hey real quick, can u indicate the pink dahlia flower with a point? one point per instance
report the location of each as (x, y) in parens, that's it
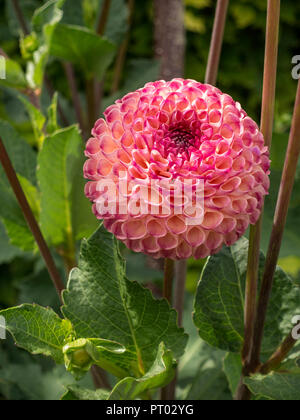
(165, 134)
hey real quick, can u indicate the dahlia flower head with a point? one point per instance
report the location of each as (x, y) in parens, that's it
(158, 138)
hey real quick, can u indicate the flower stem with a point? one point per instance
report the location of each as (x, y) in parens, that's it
(280, 354)
(284, 197)
(168, 280)
(267, 121)
(74, 93)
(170, 37)
(100, 30)
(179, 292)
(32, 223)
(20, 17)
(216, 42)
(168, 392)
(122, 52)
(101, 25)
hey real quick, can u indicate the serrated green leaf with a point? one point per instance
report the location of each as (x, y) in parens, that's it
(101, 302)
(275, 386)
(76, 393)
(38, 330)
(219, 305)
(65, 212)
(232, 367)
(160, 374)
(82, 47)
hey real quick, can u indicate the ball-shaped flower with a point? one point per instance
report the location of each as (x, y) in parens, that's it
(160, 137)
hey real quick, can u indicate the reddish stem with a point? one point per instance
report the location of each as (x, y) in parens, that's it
(216, 42)
(32, 223)
(267, 120)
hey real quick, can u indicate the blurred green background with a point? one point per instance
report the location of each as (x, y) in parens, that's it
(23, 277)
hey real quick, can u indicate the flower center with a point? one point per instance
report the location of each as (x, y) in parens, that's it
(182, 138)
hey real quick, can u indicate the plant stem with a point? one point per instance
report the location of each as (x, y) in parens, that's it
(280, 354)
(285, 192)
(100, 30)
(122, 52)
(100, 378)
(179, 290)
(90, 97)
(216, 42)
(32, 223)
(168, 280)
(51, 92)
(168, 392)
(170, 37)
(20, 17)
(75, 95)
(101, 25)
(267, 121)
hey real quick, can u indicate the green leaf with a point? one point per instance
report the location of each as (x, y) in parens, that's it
(160, 374)
(76, 393)
(21, 154)
(24, 161)
(275, 386)
(38, 330)
(84, 48)
(101, 302)
(28, 45)
(32, 194)
(48, 14)
(200, 375)
(52, 124)
(232, 367)
(117, 22)
(80, 355)
(219, 305)
(14, 75)
(8, 251)
(43, 22)
(37, 120)
(65, 212)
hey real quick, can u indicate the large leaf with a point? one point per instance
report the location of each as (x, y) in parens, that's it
(219, 305)
(276, 386)
(159, 375)
(38, 330)
(76, 393)
(102, 303)
(65, 212)
(82, 47)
